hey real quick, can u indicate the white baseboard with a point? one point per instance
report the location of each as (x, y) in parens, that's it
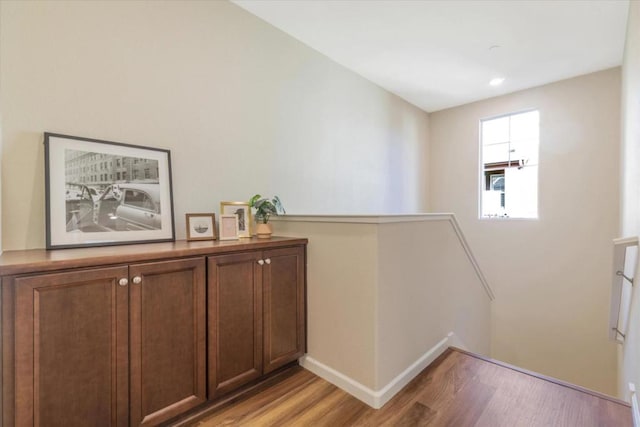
(340, 380)
(376, 399)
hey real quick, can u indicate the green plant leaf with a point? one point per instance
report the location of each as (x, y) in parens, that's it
(253, 200)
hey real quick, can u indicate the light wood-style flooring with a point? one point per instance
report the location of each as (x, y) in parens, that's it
(458, 389)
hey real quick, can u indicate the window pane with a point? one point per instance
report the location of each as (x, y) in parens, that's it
(525, 151)
(491, 204)
(495, 131)
(495, 153)
(524, 127)
(521, 192)
(135, 198)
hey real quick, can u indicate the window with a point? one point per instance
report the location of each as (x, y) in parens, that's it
(509, 159)
(138, 199)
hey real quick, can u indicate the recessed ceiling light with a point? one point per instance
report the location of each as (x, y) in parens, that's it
(497, 81)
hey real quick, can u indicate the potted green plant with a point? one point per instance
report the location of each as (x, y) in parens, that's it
(265, 207)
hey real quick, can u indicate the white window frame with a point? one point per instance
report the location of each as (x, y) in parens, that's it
(481, 170)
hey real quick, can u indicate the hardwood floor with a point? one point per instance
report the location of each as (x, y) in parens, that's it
(458, 389)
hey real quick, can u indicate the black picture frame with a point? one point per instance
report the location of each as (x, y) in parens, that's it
(103, 193)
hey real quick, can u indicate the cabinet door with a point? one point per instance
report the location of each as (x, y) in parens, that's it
(284, 306)
(168, 375)
(235, 321)
(71, 349)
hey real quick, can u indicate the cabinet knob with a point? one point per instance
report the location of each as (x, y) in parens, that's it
(137, 280)
(123, 282)
(261, 261)
(268, 260)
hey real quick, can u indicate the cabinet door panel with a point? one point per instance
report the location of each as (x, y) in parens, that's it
(168, 319)
(284, 307)
(235, 322)
(71, 346)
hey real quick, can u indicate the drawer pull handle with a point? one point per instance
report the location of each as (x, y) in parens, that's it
(268, 260)
(137, 280)
(261, 261)
(123, 282)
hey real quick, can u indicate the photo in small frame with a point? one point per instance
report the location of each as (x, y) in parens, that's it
(243, 211)
(201, 226)
(229, 227)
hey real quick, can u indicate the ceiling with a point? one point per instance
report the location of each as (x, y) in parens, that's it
(438, 54)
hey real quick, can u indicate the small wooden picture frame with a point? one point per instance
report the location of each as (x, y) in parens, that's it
(201, 226)
(229, 227)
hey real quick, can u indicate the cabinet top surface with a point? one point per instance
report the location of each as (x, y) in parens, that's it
(33, 260)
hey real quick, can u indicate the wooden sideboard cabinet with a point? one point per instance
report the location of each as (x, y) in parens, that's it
(256, 321)
(88, 339)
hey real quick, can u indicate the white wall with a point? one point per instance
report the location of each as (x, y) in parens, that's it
(551, 276)
(243, 107)
(630, 352)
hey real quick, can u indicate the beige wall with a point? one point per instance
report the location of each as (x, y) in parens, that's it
(427, 288)
(630, 351)
(551, 276)
(341, 295)
(382, 294)
(243, 107)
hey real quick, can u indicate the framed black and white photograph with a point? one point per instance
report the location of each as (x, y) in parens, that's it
(201, 227)
(229, 227)
(102, 193)
(243, 211)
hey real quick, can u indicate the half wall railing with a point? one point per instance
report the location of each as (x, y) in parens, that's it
(635, 410)
(387, 294)
(625, 266)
